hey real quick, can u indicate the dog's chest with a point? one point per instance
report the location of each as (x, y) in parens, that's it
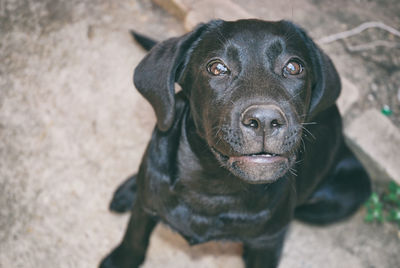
(203, 201)
(201, 217)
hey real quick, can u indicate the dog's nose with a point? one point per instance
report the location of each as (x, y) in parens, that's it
(263, 119)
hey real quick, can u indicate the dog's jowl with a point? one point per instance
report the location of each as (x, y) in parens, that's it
(252, 141)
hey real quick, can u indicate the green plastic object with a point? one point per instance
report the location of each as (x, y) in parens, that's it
(386, 110)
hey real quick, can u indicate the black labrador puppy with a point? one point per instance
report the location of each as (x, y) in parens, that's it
(253, 140)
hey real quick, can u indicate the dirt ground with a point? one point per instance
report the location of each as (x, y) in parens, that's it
(72, 127)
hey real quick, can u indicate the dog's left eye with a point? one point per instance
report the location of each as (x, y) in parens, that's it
(292, 68)
(217, 67)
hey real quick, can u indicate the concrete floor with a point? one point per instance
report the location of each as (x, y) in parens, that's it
(72, 127)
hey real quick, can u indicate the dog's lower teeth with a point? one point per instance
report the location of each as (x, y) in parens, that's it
(265, 155)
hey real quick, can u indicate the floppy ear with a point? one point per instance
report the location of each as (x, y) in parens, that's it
(326, 81)
(156, 74)
(327, 86)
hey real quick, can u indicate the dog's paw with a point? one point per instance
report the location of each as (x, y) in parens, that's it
(124, 196)
(120, 258)
(108, 263)
(113, 260)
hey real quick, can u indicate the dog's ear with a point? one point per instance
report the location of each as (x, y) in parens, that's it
(327, 86)
(156, 74)
(326, 81)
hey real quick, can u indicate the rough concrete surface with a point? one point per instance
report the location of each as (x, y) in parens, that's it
(376, 130)
(72, 127)
(203, 11)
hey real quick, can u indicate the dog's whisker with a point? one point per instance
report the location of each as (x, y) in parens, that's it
(304, 144)
(309, 123)
(218, 131)
(289, 35)
(220, 35)
(296, 95)
(309, 132)
(217, 142)
(303, 116)
(293, 172)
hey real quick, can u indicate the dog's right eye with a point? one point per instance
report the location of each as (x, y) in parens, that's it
(217, 67)
(293, 67)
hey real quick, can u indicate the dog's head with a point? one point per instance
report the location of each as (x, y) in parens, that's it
(251, 85)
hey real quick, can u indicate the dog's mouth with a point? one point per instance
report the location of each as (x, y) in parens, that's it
(258, 158)
(256, 168)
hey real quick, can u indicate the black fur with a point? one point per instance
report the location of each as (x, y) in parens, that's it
(239, 154)
(144, 41)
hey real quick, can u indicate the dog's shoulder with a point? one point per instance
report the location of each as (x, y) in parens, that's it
(163, 146)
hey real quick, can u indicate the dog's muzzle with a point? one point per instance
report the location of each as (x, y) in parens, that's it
(260, 149)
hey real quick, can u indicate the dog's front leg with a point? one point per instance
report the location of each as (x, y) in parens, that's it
(265, 256)
(132, 250)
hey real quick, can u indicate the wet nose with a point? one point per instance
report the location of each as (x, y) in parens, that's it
(263, 119)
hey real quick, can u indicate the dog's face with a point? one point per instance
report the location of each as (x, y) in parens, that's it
(251, 84)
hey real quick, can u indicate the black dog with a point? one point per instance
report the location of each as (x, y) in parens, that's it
(253, 140)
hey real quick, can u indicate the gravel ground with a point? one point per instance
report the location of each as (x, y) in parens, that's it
(72, 127)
